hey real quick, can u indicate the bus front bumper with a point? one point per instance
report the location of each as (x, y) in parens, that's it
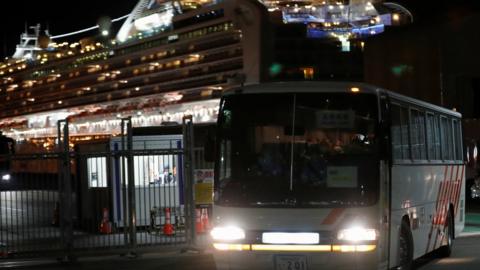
(296, 260)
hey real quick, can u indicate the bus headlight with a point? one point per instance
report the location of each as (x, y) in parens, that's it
(229, 233)
(356, 234)
(6, 177)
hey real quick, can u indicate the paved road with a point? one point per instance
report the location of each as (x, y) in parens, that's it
(465, 257)
(33, 210)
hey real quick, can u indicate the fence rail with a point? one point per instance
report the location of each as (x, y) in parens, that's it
(135, 194)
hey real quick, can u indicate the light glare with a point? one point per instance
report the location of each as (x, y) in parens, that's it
(290, 238)
(230, 233)
(355, 89)
(357, 234)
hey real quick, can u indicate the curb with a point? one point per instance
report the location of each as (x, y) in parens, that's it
(468, 234)
(26, 263)
(174, 252)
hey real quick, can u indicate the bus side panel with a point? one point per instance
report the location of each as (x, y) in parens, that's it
(460, 206)
(395, 219)
(423, 193)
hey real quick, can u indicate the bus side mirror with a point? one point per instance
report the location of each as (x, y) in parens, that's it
(209, 149)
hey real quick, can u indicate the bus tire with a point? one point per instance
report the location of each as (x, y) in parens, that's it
(405, 247)
(446, 250)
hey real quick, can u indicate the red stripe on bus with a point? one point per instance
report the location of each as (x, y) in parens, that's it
(333, 216)
(460, 184)
(450, 195)
(443, 197)
(448, 199)
(455, 191)
(439, 202)
(443, 202)
(435, 215)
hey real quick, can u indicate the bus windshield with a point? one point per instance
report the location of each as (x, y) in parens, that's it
(297, 150)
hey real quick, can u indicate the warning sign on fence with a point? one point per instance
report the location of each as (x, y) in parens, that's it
(204, 186)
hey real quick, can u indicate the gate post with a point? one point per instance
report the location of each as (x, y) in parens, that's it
(189, 182)
(65, 191)
(131, 186)
(123, 178)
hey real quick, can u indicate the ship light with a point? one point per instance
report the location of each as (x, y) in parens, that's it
(6, 177)
(154, 21)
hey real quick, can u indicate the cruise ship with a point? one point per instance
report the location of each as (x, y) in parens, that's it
(173, 58)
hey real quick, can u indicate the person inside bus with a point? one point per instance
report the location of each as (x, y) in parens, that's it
(271, 161)
(331, 143)
(314, 165)
(360, 143)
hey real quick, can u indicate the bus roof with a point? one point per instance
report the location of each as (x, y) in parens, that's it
(333, 87)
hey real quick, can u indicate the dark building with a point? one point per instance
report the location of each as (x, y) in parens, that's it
(435, 60)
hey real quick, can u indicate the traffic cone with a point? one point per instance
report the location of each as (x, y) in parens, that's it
(105, 225)
(199, 224)
(56, 214)
(205, 221)
(168, 227)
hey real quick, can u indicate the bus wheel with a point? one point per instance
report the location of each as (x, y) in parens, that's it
(405, 247)
(446, 250)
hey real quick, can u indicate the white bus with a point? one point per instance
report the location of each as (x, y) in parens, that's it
(313, 175)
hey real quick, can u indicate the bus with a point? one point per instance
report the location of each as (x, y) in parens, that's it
(332, 175)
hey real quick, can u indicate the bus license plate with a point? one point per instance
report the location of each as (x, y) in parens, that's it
(290, 263)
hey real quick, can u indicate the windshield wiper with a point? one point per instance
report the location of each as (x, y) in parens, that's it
(275, 203)
(319, 203)
(328, 203)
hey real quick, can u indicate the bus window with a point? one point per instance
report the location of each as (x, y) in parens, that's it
(458, 140)
(396, 131)
(317, 150)
(404, 127)
(417, 128)
(447, 140)
(433, 139)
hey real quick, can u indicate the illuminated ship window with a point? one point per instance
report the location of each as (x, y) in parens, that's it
(308, 73)
(161, 54)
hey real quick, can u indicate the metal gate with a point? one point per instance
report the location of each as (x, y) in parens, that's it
(122, 194)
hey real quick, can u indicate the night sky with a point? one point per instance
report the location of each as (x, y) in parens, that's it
(61, 17)
(68, 16)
